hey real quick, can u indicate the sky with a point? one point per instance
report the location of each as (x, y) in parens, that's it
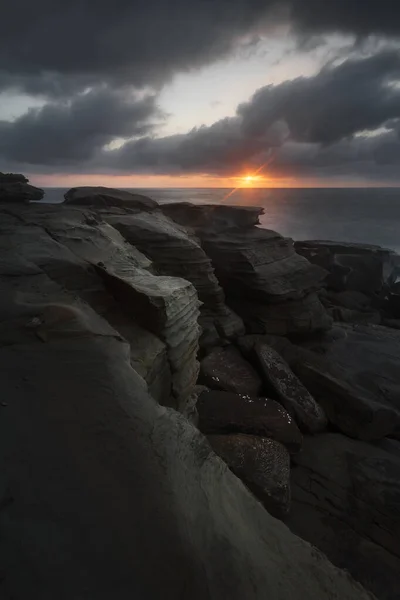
(201, 93)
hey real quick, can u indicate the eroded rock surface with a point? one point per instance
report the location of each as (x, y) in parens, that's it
(14, 188)
(104, 197)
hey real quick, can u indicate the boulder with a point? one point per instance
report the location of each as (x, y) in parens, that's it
(104, 197)
(224, 412)
(355, 378)
(225, 369)
(95, 472)
(352, 267)
(215, 217)
(291, 392)
(177, 253)
(346, 499)
(262, 464)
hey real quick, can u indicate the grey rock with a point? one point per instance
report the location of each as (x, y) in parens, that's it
(177, 253)
(226, 369)
(224, 412)
(291, 392)
(104, 197)
(355, 378)
(19, 192)
(346, 497)
(215, 217)
(262, 464)
(144, 483)
(356, 267)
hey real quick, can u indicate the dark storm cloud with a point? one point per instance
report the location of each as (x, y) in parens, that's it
(72, 131)
(49, 47)
(321, 110)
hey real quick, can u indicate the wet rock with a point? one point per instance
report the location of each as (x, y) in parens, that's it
(262, 464)
(291, 392)
(224, 412)
(355, 378)
(177, 253)
(226, 369)
(352, 267)
(346, 497)
(104, 197)
(15, 188)
(215, 217)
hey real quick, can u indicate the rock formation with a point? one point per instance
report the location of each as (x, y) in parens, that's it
(15, 188)
(100, 325)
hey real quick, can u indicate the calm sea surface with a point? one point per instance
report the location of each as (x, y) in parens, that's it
(355, 215)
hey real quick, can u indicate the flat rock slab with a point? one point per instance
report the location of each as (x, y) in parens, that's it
(104, 197)
(355, 377)
(262, 464)
(355, 482)
(224, 412)
(291, 392)
(226, 369)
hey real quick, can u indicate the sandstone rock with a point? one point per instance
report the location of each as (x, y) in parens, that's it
(168, 307)
(144, 484)
(179, 254)
(215, 217)
(225, 369)
(355, 378)
(356, 267)
(301, 317)
(346, 501)
(104, 197)
(295, 398)
(224, 412)
(262, 464)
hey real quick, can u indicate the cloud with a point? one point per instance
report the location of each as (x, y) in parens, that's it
(54, 49)
(72, 131)
(319, 111)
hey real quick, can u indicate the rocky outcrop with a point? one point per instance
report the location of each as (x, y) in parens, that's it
(104, 197)
(214, 217)
(224, 412)
(95, 472)
(15, 188)
(262, 464)
(291, 392)
(346, 498)
(352, 267)
(175, 252)
(225, 369)
(266, 282)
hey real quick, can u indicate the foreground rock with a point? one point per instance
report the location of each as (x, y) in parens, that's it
(95, 472)
(262, 464)
(346, 501)
(225, 369)
(15, 188)
(293, 395)
(104, 197)
(175, 252)
(224, 412)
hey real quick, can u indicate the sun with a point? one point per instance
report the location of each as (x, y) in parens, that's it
(249, 178)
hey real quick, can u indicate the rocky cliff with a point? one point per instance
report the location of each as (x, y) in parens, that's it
(112, 310)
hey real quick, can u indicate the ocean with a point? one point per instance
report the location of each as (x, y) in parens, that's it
(367, 215)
